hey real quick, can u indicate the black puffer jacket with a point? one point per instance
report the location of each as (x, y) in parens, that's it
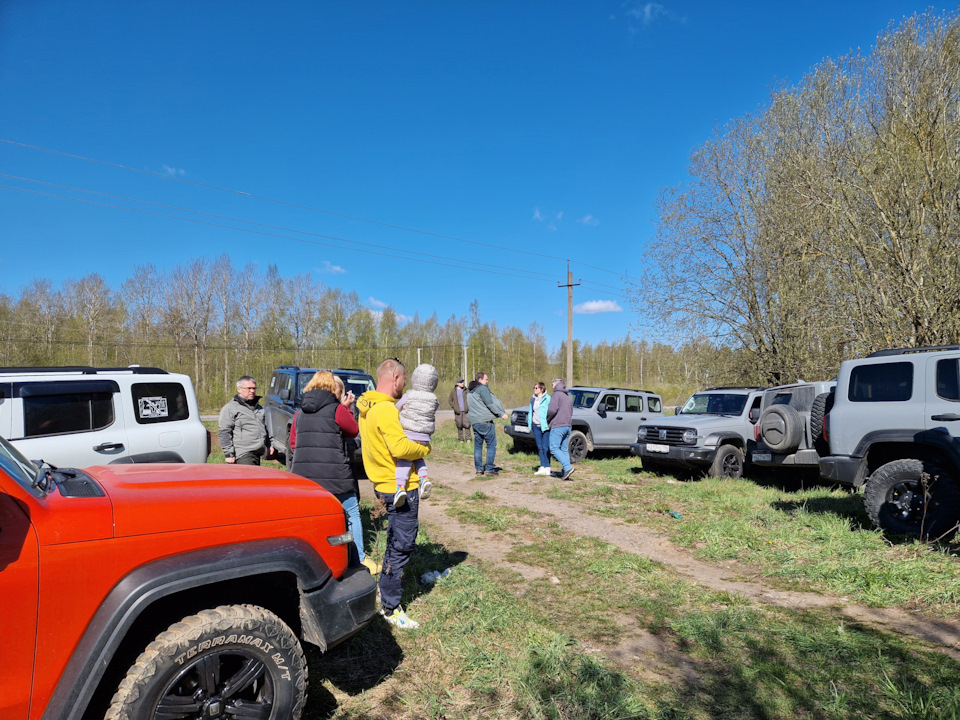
(319, 453)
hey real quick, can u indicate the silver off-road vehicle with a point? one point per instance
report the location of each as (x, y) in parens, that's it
(789, 434)
(603, 419)
(894, 430)
(713, 431)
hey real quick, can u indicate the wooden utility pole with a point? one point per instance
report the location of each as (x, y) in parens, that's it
(569, 287)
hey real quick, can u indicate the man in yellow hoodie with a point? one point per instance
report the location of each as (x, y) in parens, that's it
(383, 442)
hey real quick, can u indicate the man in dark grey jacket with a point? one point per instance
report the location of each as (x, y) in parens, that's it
(560, 417)
(243, 432)
(484, 408)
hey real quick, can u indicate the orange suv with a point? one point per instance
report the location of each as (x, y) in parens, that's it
(149, 591)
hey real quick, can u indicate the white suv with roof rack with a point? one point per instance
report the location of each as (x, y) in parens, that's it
(894, 430)
(78, 416)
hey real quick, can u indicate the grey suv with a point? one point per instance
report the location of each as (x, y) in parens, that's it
(285, 393)
(713, 431)
(603, 419)
(791, 424)
(894, 430)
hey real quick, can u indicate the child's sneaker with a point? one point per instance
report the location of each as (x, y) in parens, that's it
(425, 488)
(399, 618)
(400, 499)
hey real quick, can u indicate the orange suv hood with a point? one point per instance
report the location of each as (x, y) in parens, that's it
(162, 498)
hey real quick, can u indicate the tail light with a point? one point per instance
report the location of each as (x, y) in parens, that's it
(756, 432)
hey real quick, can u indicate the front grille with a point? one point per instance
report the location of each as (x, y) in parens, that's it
(665, 435)
(521, 417)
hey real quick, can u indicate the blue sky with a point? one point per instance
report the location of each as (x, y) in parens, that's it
(513, 135)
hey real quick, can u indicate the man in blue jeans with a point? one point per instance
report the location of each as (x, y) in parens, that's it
(484, 408)
(560, 419)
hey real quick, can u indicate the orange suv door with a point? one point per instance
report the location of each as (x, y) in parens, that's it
(19, 577)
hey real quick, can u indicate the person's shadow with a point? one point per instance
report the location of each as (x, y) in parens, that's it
(372, 655)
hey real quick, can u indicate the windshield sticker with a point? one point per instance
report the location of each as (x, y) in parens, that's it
(153, 407)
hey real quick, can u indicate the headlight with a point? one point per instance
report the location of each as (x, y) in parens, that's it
(641, 433)
(690, 437)
(513, 418)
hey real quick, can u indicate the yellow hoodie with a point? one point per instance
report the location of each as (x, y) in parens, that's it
(383, 442)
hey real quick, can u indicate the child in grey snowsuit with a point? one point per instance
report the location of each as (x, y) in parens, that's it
(418, 417)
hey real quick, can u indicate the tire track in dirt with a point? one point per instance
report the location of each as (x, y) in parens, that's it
(527, 492)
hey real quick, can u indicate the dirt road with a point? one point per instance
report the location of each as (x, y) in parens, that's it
(527, 492)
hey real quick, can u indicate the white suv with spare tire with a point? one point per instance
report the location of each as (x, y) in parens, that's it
(894, 430)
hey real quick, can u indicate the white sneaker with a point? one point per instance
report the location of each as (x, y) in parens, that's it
(425, 488)
(543, 471)
(400, 499)
(399, 618)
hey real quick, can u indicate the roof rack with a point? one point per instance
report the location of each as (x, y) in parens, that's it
(85, 370)
(737, 387)
(913, 350)
(356, 370)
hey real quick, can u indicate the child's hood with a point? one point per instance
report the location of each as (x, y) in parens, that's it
(371, 398)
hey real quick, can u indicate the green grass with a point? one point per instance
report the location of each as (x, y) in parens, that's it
(500, 643)
(591, 631)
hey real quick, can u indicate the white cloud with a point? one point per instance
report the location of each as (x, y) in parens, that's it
(646, 12)
(594, 307)
(174, 172)
(329, 268)
(551, 221)
(379, 304)
(589, 220)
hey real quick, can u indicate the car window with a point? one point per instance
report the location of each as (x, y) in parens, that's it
(948, 379)
(67, 413)
(159, 402)
(653, 404)
(583, 398)
(357, 384)
(884, 382)
(634, 403)
(302, 381)
(611, 403)
(17, 466)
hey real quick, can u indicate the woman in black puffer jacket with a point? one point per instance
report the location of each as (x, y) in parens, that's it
(320, 426)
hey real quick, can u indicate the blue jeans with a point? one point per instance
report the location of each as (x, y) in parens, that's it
(484, 432)
(351, 506)
(543, 445)
(402, 526)
(559, 440)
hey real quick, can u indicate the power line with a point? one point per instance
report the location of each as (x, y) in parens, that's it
(253, 222)
(293, 204)
(528, 275)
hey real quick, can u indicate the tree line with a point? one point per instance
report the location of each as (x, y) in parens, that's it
(827, 224)
(215, 322)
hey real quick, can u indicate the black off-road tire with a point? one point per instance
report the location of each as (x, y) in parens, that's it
(728, 462)
(577, 445)
(781, 428)
(822, 404)
(913, 497)
(214, 663)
